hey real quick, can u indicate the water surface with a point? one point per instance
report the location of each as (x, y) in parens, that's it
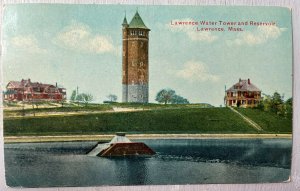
(183, 161)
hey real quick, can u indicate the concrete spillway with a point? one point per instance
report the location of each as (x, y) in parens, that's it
(120, 145)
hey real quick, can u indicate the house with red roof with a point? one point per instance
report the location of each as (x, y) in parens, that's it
(25, 90)
(243, 94)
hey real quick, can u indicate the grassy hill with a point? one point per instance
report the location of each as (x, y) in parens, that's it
(270, 122)
(184, 119)
(16, 109)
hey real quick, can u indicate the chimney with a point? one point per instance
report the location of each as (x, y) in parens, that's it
(55, 84)
(249, 81)
(240, 80)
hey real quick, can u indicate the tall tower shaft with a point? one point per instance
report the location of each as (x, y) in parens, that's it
(135, 60)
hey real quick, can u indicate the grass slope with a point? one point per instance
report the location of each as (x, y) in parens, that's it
(18, 111)
(270, 122)
(184, 120)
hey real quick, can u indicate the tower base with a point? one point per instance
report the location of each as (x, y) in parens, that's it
(135, 93)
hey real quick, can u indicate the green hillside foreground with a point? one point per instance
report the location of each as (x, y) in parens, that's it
(12, 110)
(171, 120)
(270, 122)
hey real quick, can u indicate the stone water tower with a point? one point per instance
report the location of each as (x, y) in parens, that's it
(135, 60)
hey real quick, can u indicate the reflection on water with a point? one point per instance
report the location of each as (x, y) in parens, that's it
(176, 162)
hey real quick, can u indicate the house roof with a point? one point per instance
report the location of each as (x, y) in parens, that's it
(244, 85)
(137, 22)
(27, 83)
(16, 84)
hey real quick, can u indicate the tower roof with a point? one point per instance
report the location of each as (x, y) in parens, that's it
(137, 22)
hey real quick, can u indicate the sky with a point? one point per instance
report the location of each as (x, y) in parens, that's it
(81, 45)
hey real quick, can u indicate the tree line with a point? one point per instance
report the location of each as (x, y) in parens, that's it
(166, 96)
(275, 103)
(169, 96)
(81, 98)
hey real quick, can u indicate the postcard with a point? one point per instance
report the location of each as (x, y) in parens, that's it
(118, 95)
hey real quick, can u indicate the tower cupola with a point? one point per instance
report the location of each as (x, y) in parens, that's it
(125, 23)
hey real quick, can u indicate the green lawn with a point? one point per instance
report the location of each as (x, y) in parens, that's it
(98, 107)
(18, 111)
(90, 108)
(270, 122)
(184, 120)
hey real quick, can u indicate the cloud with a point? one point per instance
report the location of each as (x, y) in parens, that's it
(196, 71)
(79, 37)
(27, 43)
(191, 32)
(261, 35)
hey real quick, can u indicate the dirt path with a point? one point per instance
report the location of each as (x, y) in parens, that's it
(248, 120)
(107, 137)
(72, 113)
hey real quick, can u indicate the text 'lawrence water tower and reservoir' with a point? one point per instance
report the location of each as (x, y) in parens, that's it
(220, 26)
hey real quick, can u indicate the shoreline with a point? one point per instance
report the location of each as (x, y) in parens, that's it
(108, 137)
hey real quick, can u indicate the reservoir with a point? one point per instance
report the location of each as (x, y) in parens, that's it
(177, 161)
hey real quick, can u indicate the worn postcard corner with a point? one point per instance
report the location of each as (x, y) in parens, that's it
(110, 95)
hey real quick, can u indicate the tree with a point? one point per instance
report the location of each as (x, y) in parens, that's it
(177, 99)
(277, 105)
(165, 96)
(265, 104)
(289, 107)
(169, 96)
(73, 96)
(112, 97)
(84, 98)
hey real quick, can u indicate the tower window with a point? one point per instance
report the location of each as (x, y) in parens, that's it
(133, 32)
(133, 63)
